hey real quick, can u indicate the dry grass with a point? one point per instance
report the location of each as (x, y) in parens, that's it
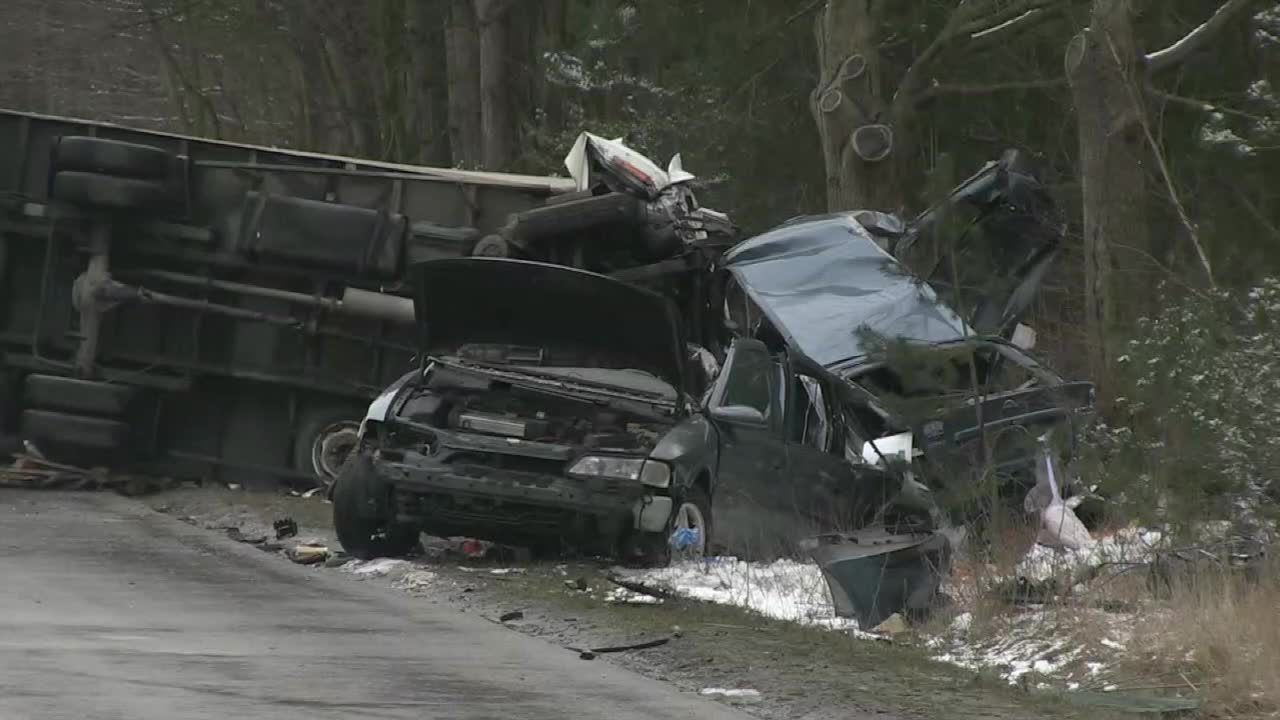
(1219, 631)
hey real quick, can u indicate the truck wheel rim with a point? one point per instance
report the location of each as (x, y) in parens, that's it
(689, 517)
(331, 448)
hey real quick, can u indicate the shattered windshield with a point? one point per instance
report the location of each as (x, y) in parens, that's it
(955, 372)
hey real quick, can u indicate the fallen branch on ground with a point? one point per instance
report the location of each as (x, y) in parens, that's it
(647, 644)
(651, 591)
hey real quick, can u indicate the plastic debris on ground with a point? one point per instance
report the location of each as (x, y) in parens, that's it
(285, 527)
(417, 580)
(379, 567)
(623, 596)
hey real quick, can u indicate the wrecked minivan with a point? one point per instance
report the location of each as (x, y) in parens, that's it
(894, 375)
(552, 408)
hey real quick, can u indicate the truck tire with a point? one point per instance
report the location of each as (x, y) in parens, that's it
(107, 192)
(323, 442)
(88, 397)
(491, 246)
(111, 157)
(361, 518)
(49, 429)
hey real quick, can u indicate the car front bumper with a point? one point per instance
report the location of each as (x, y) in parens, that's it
(488, 501)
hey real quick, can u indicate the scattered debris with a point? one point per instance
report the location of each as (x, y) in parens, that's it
(641, 588)
(511, 616)
(285, 527)
(590, 653)
(623, 596)
(580, 584)
(634, 646)
(380, 567)
(308, 554)
(417, 580)
(892, 625)
(336, 559)
(30, 470)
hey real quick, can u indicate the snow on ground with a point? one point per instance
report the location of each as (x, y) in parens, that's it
(782, 589)
(1069, 646)
(1130, 545)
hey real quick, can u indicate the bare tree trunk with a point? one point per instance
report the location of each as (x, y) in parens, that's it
(1103, 66)
(462, 47)
(862, 134)
(498, 75)
(428, 94)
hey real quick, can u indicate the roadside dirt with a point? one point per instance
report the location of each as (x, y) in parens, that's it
(798, 672)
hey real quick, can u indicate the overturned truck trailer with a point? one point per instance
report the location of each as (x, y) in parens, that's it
(187, 306)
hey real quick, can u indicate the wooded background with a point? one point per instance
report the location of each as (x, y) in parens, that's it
(1155, 121)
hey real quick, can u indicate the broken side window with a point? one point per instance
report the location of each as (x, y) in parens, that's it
(812, 426)
(754, 381)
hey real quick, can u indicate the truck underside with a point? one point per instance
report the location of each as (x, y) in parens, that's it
(186, 305)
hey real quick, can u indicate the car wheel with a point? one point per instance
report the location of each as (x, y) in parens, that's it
(362, 518)
(323, 443)
(692, 511)
(689, 529)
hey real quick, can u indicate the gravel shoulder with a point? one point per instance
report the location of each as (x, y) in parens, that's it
(797, 672)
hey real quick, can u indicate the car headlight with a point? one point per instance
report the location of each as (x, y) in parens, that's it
(649, 472)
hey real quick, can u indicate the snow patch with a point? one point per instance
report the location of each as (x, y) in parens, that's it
(782, 589)
(1131, 545)
(730, 692)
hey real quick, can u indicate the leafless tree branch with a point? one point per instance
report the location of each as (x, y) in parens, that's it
(1186, 45)
(976, 22)
(1200, 104)
(988, 88)
(1007, 17)
(1157, 151)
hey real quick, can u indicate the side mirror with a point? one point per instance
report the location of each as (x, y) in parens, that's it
(738, 415)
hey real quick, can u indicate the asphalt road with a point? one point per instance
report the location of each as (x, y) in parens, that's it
(108, 610)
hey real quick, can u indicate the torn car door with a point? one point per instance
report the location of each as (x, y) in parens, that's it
(752, 492)
(824, 484)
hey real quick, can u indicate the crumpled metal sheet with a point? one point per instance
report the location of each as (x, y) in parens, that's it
(822, 281)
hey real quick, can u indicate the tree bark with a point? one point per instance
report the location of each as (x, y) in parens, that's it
(462, 48)
(428, 93)
(498, 77)
(849, 96)
(1103, 66)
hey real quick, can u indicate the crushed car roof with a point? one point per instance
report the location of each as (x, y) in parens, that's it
(822, 281)
(461, 301)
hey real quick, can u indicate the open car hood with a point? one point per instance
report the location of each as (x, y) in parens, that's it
(823, 282)
(1004, 230)
(461, 301)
